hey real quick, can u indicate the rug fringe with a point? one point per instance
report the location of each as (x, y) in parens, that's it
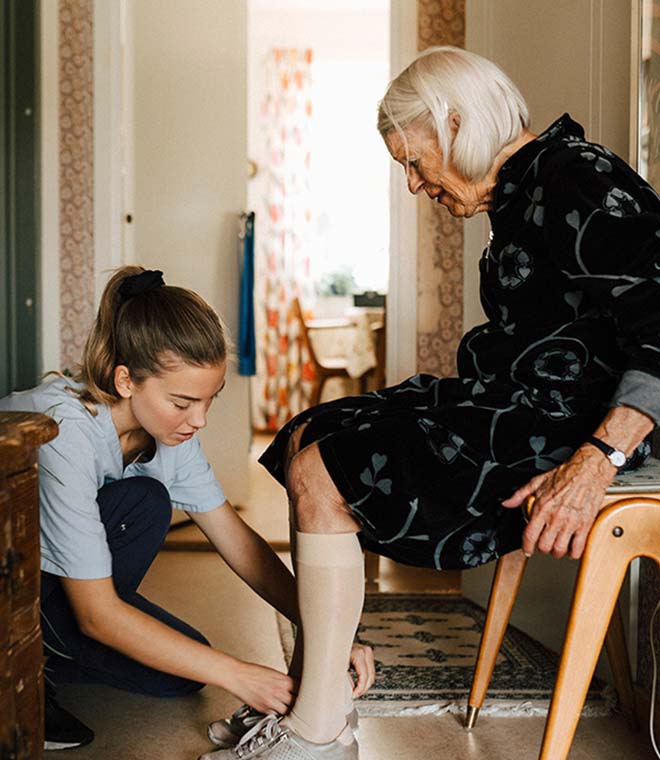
(493, 708)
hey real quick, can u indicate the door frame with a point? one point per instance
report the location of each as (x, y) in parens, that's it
(402, 292)
(19, 218)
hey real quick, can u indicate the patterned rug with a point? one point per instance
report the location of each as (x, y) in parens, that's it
(426, 647)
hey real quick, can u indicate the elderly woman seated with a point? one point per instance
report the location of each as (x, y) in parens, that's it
(559, 388)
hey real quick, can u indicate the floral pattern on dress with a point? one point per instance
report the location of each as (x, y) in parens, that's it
(515, 267)
(620, 203)
(479, 548)
(557, 364)
(535, 210)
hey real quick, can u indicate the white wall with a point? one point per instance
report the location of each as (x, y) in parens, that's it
(190, 133)
(565, 56)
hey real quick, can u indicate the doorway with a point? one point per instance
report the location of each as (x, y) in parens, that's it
(320, 188)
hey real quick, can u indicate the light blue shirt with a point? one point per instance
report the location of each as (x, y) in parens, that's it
(80, 461)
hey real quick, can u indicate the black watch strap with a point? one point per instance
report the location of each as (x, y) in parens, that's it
(616, 457)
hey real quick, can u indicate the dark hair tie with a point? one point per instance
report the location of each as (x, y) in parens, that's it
(136, 284)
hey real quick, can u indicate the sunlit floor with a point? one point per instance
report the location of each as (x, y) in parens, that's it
(130, 727)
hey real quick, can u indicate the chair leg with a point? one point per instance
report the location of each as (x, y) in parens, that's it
(317, 389)
(371, 569)
(596, 592)
(617, 654)
(508, 576)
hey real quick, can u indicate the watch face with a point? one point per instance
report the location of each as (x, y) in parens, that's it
(618, 458)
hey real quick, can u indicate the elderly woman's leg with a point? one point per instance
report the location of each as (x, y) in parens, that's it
(227, 732)
(330, 577)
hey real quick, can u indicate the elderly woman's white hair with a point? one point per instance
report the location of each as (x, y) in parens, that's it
(443, 81)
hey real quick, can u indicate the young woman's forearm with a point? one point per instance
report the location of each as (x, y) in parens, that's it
(265, 572)
(152, 643)
(103, 616)
(251, 558)
(147, 640)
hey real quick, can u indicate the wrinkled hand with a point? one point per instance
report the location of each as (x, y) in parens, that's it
(364, 664)
(263, 688)
(565, 505)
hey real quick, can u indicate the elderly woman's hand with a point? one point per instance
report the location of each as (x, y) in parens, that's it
(565, 504)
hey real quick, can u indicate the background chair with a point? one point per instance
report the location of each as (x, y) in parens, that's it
(324, 368)
(627, 527)
(377, 374)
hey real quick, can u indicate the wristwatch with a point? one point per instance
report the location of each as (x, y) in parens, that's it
(616, 456)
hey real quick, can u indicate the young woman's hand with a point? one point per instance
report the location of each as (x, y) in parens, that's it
(364, 664)
(263, 688)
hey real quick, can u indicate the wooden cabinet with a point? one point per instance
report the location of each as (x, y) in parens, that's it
(21, 657)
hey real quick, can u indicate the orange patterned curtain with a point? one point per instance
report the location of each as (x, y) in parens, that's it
(282, 264)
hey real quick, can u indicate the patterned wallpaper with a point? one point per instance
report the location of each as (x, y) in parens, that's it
(76, 180)
(440, 236)
(440, 22)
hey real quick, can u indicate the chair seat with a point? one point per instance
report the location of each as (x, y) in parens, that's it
(334, 363)
(644, 480)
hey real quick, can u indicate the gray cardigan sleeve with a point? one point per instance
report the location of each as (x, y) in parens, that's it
(640, 391)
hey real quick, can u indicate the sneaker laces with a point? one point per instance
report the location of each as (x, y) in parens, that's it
(262, 733)
(247, 716)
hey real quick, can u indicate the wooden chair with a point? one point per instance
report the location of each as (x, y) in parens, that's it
(627, 527)
(324, 368)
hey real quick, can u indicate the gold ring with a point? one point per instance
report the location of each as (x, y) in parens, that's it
(528, 506)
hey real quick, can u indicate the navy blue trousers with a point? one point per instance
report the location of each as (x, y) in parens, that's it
(136, 514)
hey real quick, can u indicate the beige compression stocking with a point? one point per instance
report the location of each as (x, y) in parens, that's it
(295, 668)
(330, 578)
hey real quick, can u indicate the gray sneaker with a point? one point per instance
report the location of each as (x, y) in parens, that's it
(228, 732)
(270, 740)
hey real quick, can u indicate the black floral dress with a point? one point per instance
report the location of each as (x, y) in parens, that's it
(570, 284)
